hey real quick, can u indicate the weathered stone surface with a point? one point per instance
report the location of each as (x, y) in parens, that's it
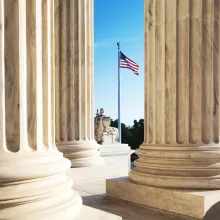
(193, 203)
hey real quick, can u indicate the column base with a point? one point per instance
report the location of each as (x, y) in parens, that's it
(81, 153)
(190, 203)
(178, 167)
(33, 186)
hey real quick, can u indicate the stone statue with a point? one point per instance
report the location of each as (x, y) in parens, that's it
(104, 133)
(97, 113)
(101, 114)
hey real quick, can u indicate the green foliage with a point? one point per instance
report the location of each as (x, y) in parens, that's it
(133, 136)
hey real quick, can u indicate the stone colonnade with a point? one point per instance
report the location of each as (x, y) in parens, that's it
(33, 184)
(75, 83)
(182, 83)
(182, 76)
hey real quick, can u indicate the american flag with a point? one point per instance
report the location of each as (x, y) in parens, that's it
(128, 63)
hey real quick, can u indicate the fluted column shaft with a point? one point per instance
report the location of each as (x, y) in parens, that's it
(75, 84)
(182, 75)
(33, 184)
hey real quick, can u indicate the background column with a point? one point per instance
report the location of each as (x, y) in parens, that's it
(33, 184)
(75, 83)
(182, 75)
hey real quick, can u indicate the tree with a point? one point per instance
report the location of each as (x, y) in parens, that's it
(125, 131)
(137, 131)
(133, 136)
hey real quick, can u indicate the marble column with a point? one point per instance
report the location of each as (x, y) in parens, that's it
(33, 184)
(182, 76)
(75, 84)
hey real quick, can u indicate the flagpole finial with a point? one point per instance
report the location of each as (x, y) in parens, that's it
(118, 44)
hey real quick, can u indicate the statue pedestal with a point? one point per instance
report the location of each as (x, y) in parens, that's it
(118, 156)
(114, 150)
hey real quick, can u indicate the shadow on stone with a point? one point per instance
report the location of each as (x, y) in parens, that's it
(130, 211)
(213, 213)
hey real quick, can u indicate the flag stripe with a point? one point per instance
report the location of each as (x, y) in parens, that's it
(133, 64)
(131, 61)
(125, 64)
(127, 61)
(131, 69)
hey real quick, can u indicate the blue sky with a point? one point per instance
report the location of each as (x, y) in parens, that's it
(119, 20)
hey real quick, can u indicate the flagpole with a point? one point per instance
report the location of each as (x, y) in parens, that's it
(119, 96)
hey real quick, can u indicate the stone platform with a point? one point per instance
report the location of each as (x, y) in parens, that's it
(185, 204)
(92, 180)
(88, 213)
(129, 210)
